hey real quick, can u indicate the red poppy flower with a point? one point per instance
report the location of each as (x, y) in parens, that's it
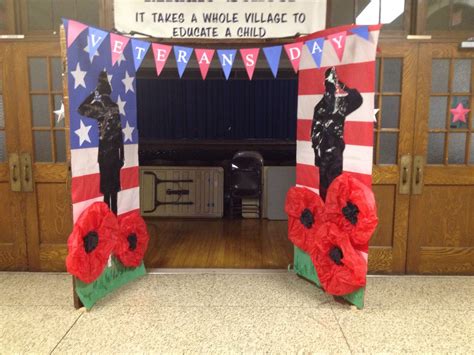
(305, 211)
(351, 205)
(340, 268)
(133, 240)
(91, 242)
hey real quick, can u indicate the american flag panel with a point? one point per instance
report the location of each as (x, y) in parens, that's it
(83, 77)
(356, 70)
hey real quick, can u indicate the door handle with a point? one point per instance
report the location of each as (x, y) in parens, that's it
(405, 174)
(419, 166)
(27, 173)
(14, 163)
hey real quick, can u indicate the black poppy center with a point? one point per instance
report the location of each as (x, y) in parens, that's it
(336, 255)
(351, 212)
(307, 218)
(91, 240)
(132, 241)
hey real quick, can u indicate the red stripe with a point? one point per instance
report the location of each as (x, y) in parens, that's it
(359, 133)
(303, 130)
(307, 175)
(355, 133)
(87, 187)
(360, 76)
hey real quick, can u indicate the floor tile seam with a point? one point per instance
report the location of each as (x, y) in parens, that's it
(207, 305)
(318, 306)
(342, 330)
(252, 307)
(71, 306)
(66, 333)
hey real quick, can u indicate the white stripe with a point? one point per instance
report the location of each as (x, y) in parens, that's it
(309, 188)
(365, 113)
(357, 50)
(356, 158)
(84, 161)
(304, 153)
(128, 200)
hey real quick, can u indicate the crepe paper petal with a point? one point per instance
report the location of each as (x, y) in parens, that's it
(133, 240)
(91, 242)
(351, 205)
(341, 269)
(305, 213)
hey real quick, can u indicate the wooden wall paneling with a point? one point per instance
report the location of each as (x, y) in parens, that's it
(13, 252)
(442, 217)
(8, 18)
(387, 253)
(48, 210)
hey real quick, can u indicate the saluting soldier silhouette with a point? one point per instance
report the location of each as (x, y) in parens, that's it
(99, 106)
(327, 130)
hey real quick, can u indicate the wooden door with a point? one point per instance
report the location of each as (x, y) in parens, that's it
(441, 239)
(393, 142)
(43, 140)
(13, 253)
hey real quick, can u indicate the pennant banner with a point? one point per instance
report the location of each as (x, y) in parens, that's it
(117, 46)
(161, 53)
(204, 59)
(361, 31)
(293, 51)
(95, 39)
(316, 46)
(273, 55)
(226, 58)
(74, 29)
(182, 55)
(338, 41)
(250, 57)
(140, 49)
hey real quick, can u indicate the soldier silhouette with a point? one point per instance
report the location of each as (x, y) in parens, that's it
(99, 106)
(327, 130)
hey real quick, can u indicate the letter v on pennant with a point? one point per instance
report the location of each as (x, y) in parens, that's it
(96, 37)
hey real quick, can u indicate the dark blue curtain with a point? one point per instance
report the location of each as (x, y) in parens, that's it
(217, 109)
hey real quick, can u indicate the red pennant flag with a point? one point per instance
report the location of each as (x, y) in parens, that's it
(74, 29)
(204, 58)
(338, 41)
(293, 50)
(117, 46)
(161, 53)
(250, 56)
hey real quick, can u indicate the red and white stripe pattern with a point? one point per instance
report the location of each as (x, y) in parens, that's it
(356, 70)
(86, 180)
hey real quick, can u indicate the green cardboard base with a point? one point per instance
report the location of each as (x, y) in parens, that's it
(111, 279)
(304, 267)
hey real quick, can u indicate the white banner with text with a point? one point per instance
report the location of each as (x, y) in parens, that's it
(219, 18)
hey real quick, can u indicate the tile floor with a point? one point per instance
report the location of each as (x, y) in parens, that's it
(236, 312)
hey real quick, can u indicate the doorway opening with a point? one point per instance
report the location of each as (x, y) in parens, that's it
(190, 130)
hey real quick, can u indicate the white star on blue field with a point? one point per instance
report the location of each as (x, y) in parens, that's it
(83, 76)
